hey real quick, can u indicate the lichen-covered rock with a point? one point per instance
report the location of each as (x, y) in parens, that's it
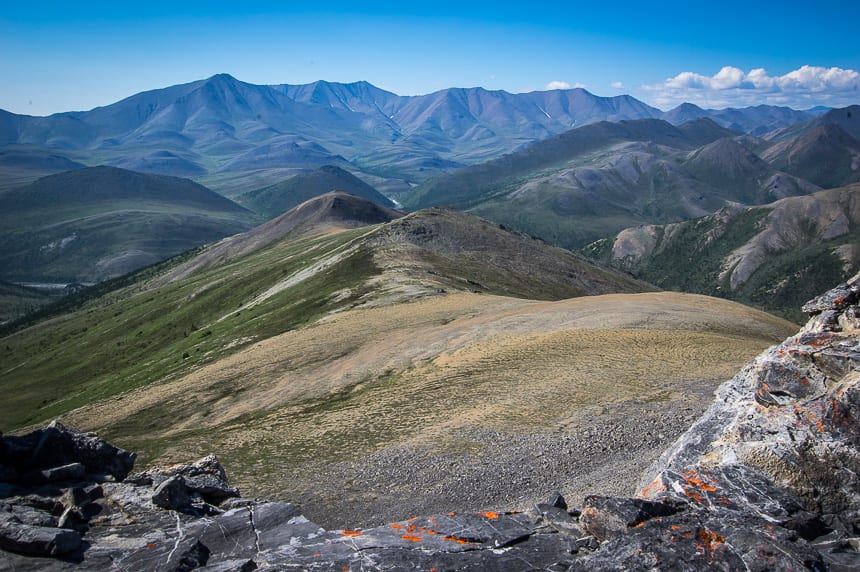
(791, 419)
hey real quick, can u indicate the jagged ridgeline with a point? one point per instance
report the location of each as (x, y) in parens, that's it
(349, 339)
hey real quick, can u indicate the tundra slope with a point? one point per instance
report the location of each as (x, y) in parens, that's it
(436, 336)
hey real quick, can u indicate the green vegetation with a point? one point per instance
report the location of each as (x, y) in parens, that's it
(95, 223)
(691, 257)
(687, 261)
(134, 336)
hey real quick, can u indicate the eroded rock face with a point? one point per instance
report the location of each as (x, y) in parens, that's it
(767, 479)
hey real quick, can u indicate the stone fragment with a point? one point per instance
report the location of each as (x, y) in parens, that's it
(205, 476)
(172, 494)
(38, 540)
(70, 472)
(610, 517)
(836, 299)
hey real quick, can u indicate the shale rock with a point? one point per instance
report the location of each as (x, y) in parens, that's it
(767, 479)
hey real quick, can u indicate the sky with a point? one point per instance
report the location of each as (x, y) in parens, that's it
(64, 56)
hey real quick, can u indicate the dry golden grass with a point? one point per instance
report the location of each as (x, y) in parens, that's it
(423, 374)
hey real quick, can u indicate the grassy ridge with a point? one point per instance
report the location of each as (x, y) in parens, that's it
(131, 337)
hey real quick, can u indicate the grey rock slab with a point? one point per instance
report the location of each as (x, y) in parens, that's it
(40, 540)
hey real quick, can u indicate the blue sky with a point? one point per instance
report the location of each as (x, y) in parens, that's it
(73, 56)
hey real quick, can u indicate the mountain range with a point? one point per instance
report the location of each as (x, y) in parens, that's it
(596, 180)
(211, 128)
(437, 311)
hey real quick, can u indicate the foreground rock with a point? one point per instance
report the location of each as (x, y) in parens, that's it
(767, 479)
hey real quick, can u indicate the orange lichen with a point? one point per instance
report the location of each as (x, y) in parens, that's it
(452, 513)
(351, 532)
(411, 538)
(709, 541)
(317, 554)
(489, 514)
(151, 545)
(451, 538)
(396, 525)
(656, 486)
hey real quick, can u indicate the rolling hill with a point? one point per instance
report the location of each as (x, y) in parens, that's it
(595, 180)
(771, 256)
(277, 199)
(94, 223)
(436, 335)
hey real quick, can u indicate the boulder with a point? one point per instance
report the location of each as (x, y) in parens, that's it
(172, 494)
(57, 445)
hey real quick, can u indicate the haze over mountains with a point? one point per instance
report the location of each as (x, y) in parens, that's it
(210, 128)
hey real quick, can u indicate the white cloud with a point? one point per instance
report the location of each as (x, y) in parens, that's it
(557, 85)
(617, 85)
(804, 87)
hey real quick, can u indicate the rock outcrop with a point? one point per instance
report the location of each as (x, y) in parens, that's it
(767, 479)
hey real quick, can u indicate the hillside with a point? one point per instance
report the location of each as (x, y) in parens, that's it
(826, 155)
(21, 164)
(16, 301)
(90, 224)
(437, 335)
(277, 199)
(596, 180)
(771, 256)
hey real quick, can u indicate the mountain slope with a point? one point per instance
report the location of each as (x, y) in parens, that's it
(280, 276)
(90, 224)
(379, 341)
(824, 154)
(468, 186)
(277, 199)
(22, 164)
(595, 180)
(770, 256)
(321, 214)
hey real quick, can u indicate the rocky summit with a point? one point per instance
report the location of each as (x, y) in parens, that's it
(767, 479)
